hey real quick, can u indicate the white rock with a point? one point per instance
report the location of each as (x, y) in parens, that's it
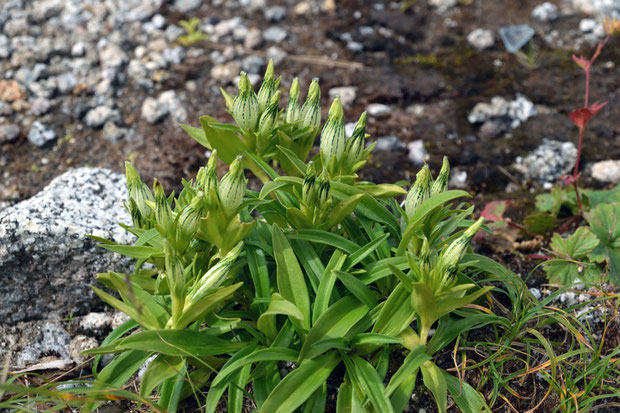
(347, 94)
(40, 135)
(546, 12)
(185, 6)
(481, 39)
(98, 116)
(378, 110)
(274, 34)
(607, 171)
(417, 152)
(458, 179)
(442, 5)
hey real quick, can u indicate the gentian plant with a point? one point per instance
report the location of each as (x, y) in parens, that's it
(317, 283)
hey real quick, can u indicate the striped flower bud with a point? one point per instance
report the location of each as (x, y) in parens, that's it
(308, 192)
(175, 276)
(311, 110)
(293, 111)
(441, 183)
(245, 109)
(210, 183)
(269, 118)
(451, 256)
(355, 144)
(189, 219)
(333, 136)
(163, 214)
(420, 191)
(267, 88)
(232, 188)
(138, 190)
(324, 187)
(215, 275)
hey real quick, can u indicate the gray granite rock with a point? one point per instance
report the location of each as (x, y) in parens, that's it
(97, 117)
(185, 6)
(274, 34)
(9, 133)
(545, 164)
(47, 264)
(513, 113)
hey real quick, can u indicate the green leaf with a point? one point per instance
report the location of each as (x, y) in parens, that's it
(604, 221)
(539, 223)
(396, 313)
(326, 286)
(277, 305)
(298, 165)
(299, 384)
(368, 206)
(342, 210)
(145, 322)
(236, 390)
(333, 323)
(466, 397)
(116, 334)
(226, 141)
(326, 238)
(374, 339)
(572, 262)
(291, 282)
(198, 134)
(348, 402)
(217, 390)
(410, 366)
(134, 251)
(195, 310)
(365, 251)
(173, 343)
(434, 381)
(370, 382)
(358, 289)
(160, 369)
(381, 190)
(256, 356)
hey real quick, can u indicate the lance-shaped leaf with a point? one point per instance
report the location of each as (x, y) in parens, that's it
(291, 281)
(278, 305)
(300, 384)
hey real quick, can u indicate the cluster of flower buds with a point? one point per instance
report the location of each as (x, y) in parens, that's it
(208, 196)
(258, 114)
(316, 201)
(424, 187)
(342, 155)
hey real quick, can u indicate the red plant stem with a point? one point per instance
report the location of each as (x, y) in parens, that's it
(587, 98)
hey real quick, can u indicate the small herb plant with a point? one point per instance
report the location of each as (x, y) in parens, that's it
(317, 283)
(592, 251)
(193, 34)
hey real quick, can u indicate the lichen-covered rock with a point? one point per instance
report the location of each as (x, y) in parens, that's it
(548, 162)
(47, 263)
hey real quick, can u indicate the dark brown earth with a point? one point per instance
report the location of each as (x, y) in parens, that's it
(433, 66)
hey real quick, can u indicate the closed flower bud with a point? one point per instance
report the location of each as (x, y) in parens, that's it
(232, 188)
(174, 271)
(215, 275)
(293, 111)
(267, 88)
(210, 183)
(163, 215)
(189, 219)
(355, 144)
(441, 183)
(324, 187)
(311, 110)
(137, 190)
(269, 118)
(245, 109)
(333, 136)
(451, 256)
(419, 192)
(308, 192)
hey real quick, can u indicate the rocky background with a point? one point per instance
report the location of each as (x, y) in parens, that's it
(86, 84)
